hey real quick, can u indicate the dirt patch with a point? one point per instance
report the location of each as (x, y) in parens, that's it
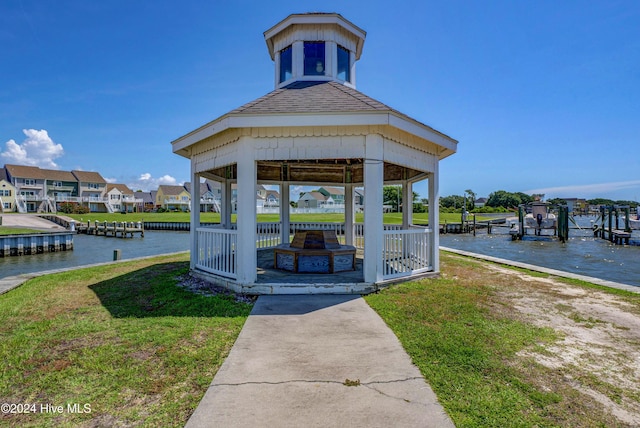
(599, 353)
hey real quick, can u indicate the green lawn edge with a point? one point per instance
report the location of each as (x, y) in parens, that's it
(123, 341)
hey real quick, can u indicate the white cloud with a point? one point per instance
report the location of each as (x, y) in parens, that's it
(38, 149)
(147, 182)
(586, 190)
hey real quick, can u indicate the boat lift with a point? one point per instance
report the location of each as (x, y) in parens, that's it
(539, 219)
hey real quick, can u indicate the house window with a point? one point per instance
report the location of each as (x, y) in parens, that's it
(344, 71)
(57, 184)
(286, 64)
(94, 186)
(29, 182)
(314, 58)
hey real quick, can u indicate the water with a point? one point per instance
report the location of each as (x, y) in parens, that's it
(88, 249)
(582, 254)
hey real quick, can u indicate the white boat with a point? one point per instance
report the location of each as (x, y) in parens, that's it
(540, 217)
(634, 223)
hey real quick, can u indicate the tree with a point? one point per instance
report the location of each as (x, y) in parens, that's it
(452, 201)
(392, 195)
(502, 198)
(471, 198)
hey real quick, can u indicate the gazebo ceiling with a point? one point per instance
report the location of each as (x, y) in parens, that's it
(334, 171)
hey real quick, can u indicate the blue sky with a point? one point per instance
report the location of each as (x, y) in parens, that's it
(543, 97)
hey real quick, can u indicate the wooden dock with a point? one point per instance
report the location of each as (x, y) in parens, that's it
(121, 229)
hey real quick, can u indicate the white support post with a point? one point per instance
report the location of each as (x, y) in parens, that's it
(225, 204)
(373, 201)
(434, 217)
(407, 204)
(285, 212)
(349, 217)
(246, 255)
(195, 215)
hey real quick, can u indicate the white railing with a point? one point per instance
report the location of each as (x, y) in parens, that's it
(336, 227)
(406, 252)
(217, 251)
(268, 235)
(132, 199)
(21, 205)
(358, 233)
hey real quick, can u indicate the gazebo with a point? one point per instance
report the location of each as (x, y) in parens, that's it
(315, 128)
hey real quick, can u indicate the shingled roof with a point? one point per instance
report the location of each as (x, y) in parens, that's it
(88, 177)
(24, 171)
(313, 97)
(306, 99)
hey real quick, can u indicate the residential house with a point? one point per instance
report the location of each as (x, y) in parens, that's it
(480, 202)
(91, 190)
(7, 193)
(173, 198)
(313, 199)
(358, 199)
(60, 186)
(577, 205)
(29, 182)
(148, 199)
(334, 195)
(324, 197)
(208, 201)
(122, 198)
(272, 199)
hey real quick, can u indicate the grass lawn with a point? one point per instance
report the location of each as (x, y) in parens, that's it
(123, 339)
(17, 231)
(466, 340)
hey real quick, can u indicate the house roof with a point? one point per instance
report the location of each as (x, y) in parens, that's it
(204, 188)
(23, 171)
(3, 174)
(334, 190)
(55, 174)
(315, 195)
(89, 177)
(171, 190)
(123, 188)
(312, 102)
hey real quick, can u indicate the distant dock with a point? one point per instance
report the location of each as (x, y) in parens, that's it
(113, 229)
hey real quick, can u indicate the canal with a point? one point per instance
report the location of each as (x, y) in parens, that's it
(88, 249)
(582, 254)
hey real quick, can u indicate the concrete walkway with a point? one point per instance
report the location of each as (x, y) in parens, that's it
(29, 221)
(317, 361)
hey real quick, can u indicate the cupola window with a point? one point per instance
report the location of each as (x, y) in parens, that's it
(286, 64)
(344, 69)
(314, 60)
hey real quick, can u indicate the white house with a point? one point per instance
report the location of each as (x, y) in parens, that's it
(314, 129)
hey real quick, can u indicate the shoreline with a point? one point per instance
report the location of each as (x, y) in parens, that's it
(549, 271)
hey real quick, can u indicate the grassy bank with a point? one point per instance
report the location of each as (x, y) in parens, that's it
(4, 231)
(123, 339)
(481, 355)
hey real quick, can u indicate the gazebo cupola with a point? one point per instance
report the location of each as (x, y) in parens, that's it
(315, 47)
